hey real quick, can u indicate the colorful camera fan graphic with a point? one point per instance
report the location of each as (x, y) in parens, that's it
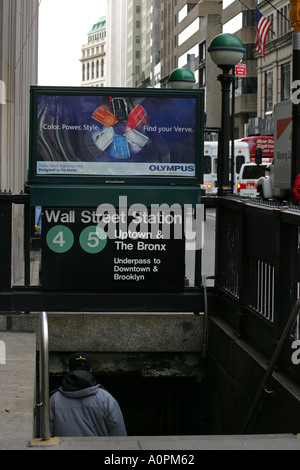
(120, 142)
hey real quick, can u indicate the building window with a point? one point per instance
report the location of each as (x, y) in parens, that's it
(249, 86)
(97, 69)
(248, 55)
(207, 165)
(249, 18)
(202, 75)
(202, 51)
(270, 35)
(137, 39)
(102, 68)
(285, 81)
(246, 86)
(283, 21)
(268, 91)
(83, 73)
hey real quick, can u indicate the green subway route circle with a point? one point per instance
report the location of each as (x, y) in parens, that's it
(60, 239)
(93, 239)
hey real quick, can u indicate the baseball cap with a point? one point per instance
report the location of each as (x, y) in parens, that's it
(79, 361)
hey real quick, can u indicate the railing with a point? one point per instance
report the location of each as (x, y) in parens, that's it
(257, 279)
(257, 270)
(26, 297)
(44, 377)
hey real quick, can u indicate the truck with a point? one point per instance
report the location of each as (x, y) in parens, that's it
(276, 182)
(263, 142)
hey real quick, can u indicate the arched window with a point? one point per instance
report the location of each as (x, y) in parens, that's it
(88, 72)
(83, 72)
(93, 70)
(102, 68)
(97, 69)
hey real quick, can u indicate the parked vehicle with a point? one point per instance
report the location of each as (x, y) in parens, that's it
(276, 182)
(247, 179)
(263, 142)
(210, 167)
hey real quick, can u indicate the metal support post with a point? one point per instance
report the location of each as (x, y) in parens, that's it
(223, 165)
(44, 376)
(295, 23)
(5, 240)
(44, 387)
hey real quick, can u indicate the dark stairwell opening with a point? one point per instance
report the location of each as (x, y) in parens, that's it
(155, 406)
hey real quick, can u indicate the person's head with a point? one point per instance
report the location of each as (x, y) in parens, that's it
(79, 361)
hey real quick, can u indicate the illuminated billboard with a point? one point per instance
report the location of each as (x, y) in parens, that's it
(104, 135)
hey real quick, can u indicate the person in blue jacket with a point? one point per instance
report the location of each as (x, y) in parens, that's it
(81, 407)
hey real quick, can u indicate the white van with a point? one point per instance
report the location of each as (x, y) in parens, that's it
(247, 179)
(210, 164)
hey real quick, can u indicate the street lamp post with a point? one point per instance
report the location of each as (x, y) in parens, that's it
(226, 50)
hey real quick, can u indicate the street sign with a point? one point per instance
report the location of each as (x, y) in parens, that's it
(82, 251)
(240, 70)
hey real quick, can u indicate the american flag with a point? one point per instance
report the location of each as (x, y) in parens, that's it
(262, 27)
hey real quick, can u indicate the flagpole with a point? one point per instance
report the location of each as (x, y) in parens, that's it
(295, 23)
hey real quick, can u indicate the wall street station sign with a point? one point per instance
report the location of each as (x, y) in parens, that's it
(84, 248)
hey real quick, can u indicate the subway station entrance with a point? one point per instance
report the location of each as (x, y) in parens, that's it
(217, 355)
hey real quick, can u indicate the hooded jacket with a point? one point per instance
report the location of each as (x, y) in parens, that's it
(81, 407)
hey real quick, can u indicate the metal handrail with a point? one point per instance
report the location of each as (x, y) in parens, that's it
(44, 377)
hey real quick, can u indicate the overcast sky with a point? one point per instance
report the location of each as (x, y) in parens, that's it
(63, 28)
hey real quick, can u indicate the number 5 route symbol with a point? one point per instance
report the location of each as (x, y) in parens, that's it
(60, 239)
(93, 239)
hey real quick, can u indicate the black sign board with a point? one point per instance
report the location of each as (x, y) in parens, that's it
(84, 249)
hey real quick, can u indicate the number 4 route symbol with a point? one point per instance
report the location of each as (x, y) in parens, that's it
(60, 239)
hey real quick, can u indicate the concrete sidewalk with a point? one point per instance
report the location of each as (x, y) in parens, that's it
(17, 387)
(170, 444)
(17, 401)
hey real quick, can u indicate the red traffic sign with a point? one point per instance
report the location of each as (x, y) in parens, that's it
(240, 70)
